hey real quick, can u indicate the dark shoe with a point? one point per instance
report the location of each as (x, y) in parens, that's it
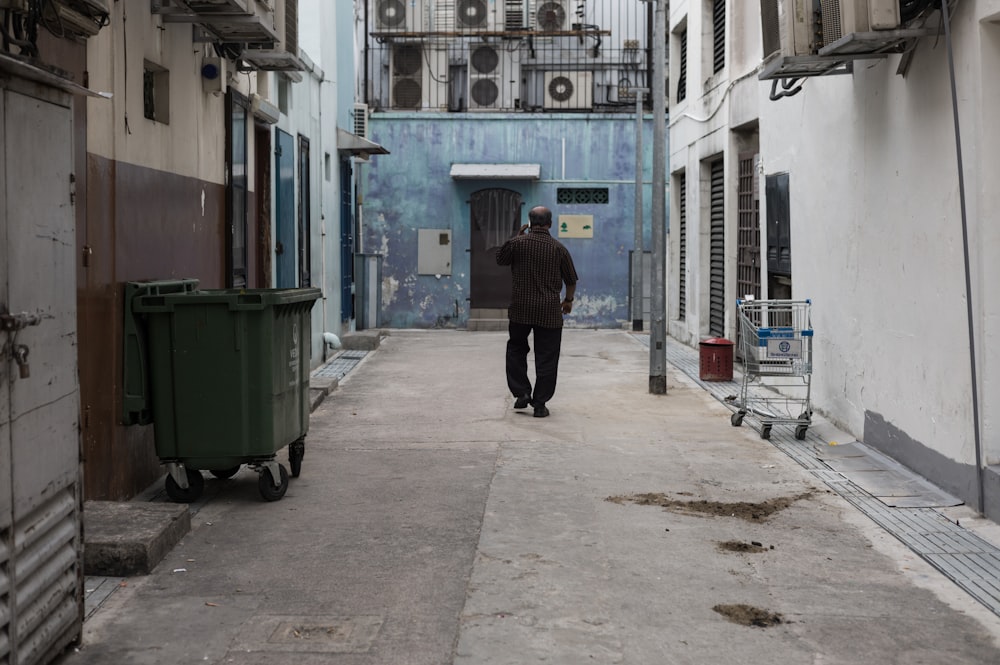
(541, 411)
(522, 402)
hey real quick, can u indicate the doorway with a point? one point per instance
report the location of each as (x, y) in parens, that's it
(284, 222)
(495, 217)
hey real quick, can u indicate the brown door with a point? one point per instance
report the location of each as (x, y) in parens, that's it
(496, 215)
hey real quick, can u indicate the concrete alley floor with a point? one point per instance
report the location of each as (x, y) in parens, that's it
(433, 524)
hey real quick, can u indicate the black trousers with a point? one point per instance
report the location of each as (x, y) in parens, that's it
(547, 344)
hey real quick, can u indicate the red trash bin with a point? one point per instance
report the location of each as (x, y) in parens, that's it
(716, 360)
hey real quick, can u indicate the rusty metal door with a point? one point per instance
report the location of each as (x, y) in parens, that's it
(41, 605)
(496, 215)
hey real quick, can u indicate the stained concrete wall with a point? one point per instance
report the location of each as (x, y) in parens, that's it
(412, 189)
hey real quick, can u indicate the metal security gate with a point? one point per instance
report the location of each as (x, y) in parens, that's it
(717, 252)
(496, 215)
(682, 250)
(41, 591)
(748, 229)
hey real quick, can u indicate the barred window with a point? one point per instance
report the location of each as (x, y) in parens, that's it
(581, 195)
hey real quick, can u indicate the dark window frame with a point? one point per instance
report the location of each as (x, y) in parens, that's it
(237, 189)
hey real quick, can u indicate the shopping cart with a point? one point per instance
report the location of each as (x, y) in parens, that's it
(776, 344)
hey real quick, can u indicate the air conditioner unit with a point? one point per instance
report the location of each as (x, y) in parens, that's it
(221, 7)
(843, 17)
(789, 27)
(569, 90)
(494, 78)
(418, 77)
(361, 120)
(399, 15)
(477, 16)
(518, 14)
(80, 18)
(283, 55)
(553, 15)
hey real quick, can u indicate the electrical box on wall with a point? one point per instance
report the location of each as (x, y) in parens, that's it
(213, 75)
(434, 252)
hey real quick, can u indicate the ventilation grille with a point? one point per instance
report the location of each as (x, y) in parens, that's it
(833, 25)
(361, 120)
(518, 14)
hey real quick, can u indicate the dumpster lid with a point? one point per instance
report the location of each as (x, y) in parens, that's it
(717, 341)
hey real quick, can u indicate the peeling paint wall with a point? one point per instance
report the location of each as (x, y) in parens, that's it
(412, 189)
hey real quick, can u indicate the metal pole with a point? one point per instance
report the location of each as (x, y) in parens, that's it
(657, 305)
(981, 489)
(637, 252)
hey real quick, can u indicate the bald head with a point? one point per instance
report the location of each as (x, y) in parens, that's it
(540, 216)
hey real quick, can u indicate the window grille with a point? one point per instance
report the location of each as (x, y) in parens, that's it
(581, 195)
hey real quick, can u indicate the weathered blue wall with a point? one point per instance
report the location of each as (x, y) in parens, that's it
(412, 189)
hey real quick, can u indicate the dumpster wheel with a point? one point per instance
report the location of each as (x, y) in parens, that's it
(266, 485)
(296, 451)
(189, 494)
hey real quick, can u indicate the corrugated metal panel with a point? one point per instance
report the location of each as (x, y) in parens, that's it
(717, 249)
(46, 597)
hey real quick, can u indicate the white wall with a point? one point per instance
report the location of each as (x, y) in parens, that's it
(876, 238)
(876, 227)
(193, 142)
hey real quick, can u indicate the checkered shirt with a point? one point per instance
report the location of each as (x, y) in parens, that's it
(540, 265)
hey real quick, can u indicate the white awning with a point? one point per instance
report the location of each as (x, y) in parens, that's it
(357, 146)
(496, 171)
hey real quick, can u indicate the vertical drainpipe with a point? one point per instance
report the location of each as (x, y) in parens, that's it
(364, 81)
(980, 490)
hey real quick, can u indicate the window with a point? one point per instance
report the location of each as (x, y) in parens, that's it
(305, 216)
(284, 92)
(581, 195)
(718, 35)
(682, 67)
(155, 92)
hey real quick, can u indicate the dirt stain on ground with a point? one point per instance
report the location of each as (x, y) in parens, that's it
(747, 615)
(752, 512)
(738, 546)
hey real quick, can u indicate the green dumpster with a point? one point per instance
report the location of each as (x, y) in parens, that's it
(223, 376)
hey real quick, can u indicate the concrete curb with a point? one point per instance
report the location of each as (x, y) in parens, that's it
(130, 538)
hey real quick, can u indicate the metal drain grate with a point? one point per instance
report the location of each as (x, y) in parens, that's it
(965, 558)
(341, 365)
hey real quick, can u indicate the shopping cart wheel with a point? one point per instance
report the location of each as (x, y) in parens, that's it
(736, 419)
(223, 474)
(765, 432)
(296, 451)
(800, 432)
(266, 486)
(196, 483)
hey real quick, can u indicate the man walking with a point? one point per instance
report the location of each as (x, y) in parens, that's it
(539, 265)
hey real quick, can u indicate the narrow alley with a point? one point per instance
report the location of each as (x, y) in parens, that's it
(433, 524)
